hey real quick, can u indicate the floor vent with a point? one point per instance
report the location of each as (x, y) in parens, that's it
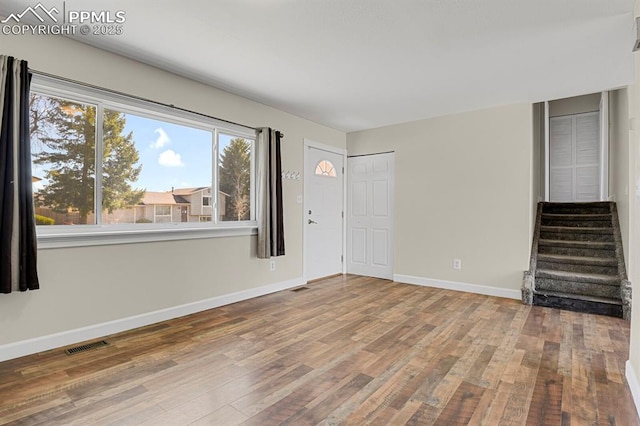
(87, 347)
(300, 289)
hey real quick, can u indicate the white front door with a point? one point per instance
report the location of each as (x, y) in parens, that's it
(370, 220)
(323, 215)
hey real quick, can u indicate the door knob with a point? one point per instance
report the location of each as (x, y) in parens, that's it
(312, 221)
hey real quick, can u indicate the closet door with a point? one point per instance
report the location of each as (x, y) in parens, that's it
(574, 158)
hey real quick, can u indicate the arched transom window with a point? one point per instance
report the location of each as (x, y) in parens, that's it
(325, 168)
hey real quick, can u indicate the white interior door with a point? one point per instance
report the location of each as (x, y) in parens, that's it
(575, 158)
(370, 192)
(323, 216)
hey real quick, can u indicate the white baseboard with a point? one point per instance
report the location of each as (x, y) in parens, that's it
(457, 286)
(65, 338)
(634, 386)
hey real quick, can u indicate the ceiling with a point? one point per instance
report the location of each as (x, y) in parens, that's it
(360, 64)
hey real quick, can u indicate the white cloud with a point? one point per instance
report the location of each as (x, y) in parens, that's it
(170, 158)
(162, 139)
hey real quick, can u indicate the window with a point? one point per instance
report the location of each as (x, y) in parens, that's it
(235, 167)
(162, 214)
(325, 168)
(139, 162)
(63, 159)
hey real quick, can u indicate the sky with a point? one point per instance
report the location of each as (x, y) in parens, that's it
(171, 155)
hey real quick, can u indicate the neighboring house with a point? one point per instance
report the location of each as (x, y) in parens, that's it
(200, 202)
(177, 205)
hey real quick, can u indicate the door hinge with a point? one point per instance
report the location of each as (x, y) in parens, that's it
(342, 169)
(341, 259)
(343, 215)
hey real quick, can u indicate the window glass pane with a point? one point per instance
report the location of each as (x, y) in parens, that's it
(325, 168)
(234, 197)
(154, 171)
(63, 160)
(163, 210)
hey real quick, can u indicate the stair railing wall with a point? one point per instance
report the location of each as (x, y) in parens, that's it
(529, 280)
(625, 285)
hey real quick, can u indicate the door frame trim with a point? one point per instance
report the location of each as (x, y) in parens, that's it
(308, 143)
(604, 147)
(547, 157)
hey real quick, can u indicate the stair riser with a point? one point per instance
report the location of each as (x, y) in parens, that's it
(579, 268)
(584, 289)
(576, 223)
(576, 236)
(593, 208)
(576, 210)
(571, 251)
(578, 305)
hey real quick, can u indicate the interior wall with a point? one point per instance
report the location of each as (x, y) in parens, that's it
(619, 160)
(574, 105)
(633, 265)
(87, 286)
(463, 190)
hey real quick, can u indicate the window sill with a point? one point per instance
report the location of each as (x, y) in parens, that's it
(104, 236)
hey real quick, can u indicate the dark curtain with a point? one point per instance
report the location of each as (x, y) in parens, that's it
(269, 209)
(17, 221)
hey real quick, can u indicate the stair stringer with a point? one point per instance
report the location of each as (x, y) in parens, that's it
(529, 278)
(625, 285)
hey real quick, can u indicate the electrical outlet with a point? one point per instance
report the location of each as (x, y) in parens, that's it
(457, 264)
(272, 265)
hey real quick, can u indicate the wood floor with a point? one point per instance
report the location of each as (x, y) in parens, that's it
(348, 350)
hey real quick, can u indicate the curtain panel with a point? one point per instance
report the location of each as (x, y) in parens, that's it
(269, 207)
(17, 221)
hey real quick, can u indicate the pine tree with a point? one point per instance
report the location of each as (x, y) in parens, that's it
(235, 178)
(67, 135)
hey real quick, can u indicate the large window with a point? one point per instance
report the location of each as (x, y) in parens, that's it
(107, 161)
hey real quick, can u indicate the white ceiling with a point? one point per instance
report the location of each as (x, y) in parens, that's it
(359, 64)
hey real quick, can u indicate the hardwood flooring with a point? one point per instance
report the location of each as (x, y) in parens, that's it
(347, 350)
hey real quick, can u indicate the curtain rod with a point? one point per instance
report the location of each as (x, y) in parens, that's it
(140, 98)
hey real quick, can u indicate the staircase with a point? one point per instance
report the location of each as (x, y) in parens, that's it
(577, 261)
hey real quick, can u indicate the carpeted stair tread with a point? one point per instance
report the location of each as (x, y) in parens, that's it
(578, 216)
(612, 280)
(576, 229)
(580, 297)
(578, 244)
(577, 288)
(577, 260)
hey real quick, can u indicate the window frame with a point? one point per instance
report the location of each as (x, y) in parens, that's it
(58, 236)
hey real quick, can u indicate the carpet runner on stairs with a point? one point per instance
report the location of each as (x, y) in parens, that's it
(577, 261)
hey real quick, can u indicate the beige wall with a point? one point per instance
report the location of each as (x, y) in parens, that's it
(463, 190)
(634, 214)
(87, 286)
(619, 160)
(574, 105)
